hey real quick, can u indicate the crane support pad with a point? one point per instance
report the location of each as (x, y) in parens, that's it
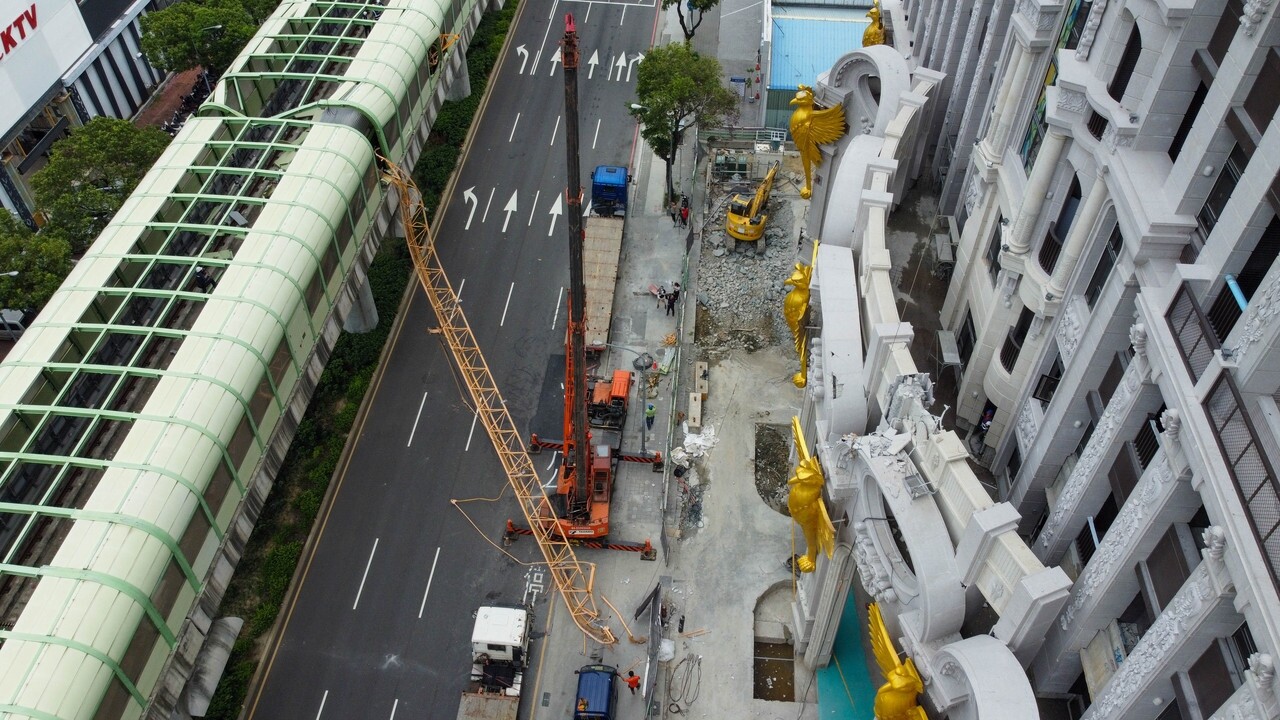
(645, 548)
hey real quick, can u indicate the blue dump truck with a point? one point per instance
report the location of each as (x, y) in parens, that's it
(597, 697)
(602, 246)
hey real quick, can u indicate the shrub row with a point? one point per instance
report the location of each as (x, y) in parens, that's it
(273, 551)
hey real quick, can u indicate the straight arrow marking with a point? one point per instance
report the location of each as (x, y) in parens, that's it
(510, 208)
(556, 210)
(595, 59)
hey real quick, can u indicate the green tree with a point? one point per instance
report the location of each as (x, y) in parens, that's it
(89, 175)
(195, 33)
(677, 87)
(41, 261)
(696, 10)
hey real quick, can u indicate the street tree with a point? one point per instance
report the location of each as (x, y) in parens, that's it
(41, 260)
(696, 10)
(89, 175)
(676, 87)
(195, 33)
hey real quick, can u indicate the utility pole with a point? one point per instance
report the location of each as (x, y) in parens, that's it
(575, 415)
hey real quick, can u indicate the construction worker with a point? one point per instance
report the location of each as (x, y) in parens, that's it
(633, 681)
(650, 413)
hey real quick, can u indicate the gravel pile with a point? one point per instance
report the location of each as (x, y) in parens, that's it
(740, 292)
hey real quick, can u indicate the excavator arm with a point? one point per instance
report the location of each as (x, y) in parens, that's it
(573, 579)
(745, 219)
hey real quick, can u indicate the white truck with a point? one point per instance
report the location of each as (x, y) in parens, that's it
(499, 656)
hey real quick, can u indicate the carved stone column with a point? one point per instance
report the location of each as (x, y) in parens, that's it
(1015, 77)
(1077, 236)
(1107, 584)
(1199, 614)
(1034, 195)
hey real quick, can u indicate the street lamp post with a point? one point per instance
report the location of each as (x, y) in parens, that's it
(204, 69)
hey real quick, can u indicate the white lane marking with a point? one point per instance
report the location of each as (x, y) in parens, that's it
(624, 16)
(555, 130)
(416, 418)
(430, 577)
(486, 205)
(473, 432)
(513, 128)
(394, 705)
(556, 317)
(322, 702)
(533, 208)
(508, 305)
(588, 17)
(594, 138)
(460, 286)
(364, 577)
(731, 12)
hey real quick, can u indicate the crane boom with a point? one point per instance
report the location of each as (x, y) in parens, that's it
(573, 579)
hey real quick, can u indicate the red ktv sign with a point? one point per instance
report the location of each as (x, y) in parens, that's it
(17, 31)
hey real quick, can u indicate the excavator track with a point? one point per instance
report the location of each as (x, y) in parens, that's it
(573, 579)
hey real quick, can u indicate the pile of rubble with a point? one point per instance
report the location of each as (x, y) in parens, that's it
(740, 291)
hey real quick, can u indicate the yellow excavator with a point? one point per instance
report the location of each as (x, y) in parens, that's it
(746, 218)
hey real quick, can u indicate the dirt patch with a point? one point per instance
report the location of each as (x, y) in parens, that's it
(773, 449)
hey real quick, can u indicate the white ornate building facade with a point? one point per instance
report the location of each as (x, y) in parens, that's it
(1116, 300)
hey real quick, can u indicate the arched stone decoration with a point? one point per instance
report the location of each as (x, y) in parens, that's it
(851, 78)
(979, 679)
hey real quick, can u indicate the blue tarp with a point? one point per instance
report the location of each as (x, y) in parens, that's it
(807, 41)
(845, 691)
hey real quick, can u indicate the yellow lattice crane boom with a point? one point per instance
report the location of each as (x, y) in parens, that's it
(572, 579)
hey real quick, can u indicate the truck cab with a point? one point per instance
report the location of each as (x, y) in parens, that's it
(500, 648)
(609, 190)
(597, 697)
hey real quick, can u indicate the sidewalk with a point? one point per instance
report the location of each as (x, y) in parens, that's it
(727, 586)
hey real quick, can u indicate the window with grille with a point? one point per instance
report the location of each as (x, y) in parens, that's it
(1106, 263)
(1013, 342)
(993, 251)
(967, 338)
(1225, 310)
(1220, 195)
(1188, 121)
(1075, 24)
(1128, 63)
(1051, 248)
(1048, 383)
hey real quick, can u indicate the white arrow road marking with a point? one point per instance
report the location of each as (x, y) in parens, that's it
(486, 206)
(418, 417)
(595, 59)
(366, 574)
(634, 60)
(554, 59)
(556, 316)
(513, 128)
(510, 208)
(524, 57)
(424, 595)
(595, 137)
(469, 197)
(554, 130)
(622, 63)
(506, 307)
(556, 211)
(534, 208)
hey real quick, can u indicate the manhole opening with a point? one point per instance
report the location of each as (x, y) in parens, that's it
(773, 449)
(775, 672)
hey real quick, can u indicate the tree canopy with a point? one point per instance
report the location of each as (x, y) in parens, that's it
(89, 175)
(677, 87)
(200, 33)
(696, 10)
(41, 260)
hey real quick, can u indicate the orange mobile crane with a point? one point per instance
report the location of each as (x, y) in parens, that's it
(573, 579)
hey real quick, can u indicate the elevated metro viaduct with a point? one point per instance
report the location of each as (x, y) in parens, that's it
(142, 421)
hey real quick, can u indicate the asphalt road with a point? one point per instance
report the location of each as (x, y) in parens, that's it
(381, 625)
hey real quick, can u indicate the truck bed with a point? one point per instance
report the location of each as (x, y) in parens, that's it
(488, 706)
(601, 249)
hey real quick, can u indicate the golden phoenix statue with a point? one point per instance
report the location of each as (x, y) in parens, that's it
(806, 505)
(795, 307)
(896, 698)
(811, 127)
(874, 34)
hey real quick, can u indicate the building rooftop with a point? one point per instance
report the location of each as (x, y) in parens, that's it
(808, 40)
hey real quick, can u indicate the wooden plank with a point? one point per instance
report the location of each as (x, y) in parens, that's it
(695, 411)
(602, 246)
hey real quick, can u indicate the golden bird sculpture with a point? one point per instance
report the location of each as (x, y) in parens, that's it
(806, 505)
(874, 34)
(795, 307)
(811, 127)
(896, 698)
